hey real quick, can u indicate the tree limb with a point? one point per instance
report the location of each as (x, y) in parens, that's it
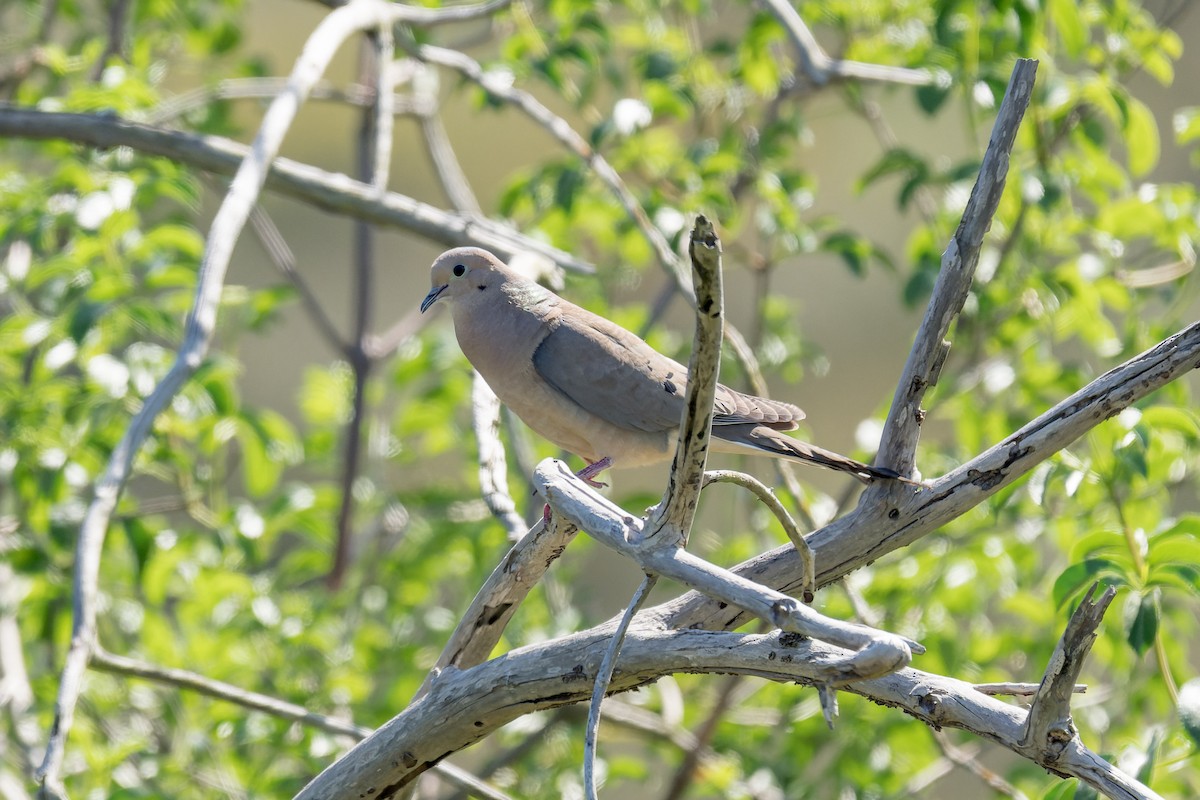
(328, 191)
(672, 518)
(821, 69)
(868, 534)
(463, 707)
(903, 427)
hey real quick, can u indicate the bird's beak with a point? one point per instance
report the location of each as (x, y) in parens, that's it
(432, 297)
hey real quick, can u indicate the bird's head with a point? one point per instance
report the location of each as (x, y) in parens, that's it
(464, 272)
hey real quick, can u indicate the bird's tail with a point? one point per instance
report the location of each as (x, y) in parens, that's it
(768, 441)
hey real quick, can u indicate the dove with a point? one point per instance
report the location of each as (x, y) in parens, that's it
(590, 386)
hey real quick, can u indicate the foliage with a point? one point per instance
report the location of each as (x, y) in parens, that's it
(215, 559)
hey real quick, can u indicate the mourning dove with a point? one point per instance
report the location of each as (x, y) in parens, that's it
(590, 386)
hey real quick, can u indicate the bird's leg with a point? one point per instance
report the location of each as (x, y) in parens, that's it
(586, 474)
(593, 469)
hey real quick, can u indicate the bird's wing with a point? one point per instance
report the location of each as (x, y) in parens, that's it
(612, 373)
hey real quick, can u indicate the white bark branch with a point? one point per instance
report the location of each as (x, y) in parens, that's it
(671, 520)
(463, 707)
(903, 427)
(868, 534)
(877, 652)
(821, 69)
(334, 192)
(493, 466)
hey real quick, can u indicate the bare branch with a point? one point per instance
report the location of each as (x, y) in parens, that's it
(118, 12)
(875, 652)
(768, 498)
(171, 109)
(1049, 725)
(674, 514)
(328, 191)
(463, 707)
(501, 595)
(493, 467)
(869, 533)
(821, 69)
(375, 73)
(195, 682)
(219, 690)
(903, 427)
(284, 259)
(604, 679)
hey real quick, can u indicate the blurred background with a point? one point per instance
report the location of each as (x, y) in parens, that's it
(305, 519)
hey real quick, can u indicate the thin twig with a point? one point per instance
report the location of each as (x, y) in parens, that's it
(281, 255)
(968, 760)
(561, 130)
(692, 757)
(193, 681)
(604, 678)
(821, 69)
(382, 345)
(385, 50)
(445, 163)
(114, 45)
(374, 72)
(173, 108)
(808, 586)
(493, 466)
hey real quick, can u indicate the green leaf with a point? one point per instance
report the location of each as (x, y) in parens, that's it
(1069, 25)
(1147, 768)
(854, 250)
(1075, 578)
(932, 97)
(1141, 137)
(894, 161)
(268, 445)
(1143, 622)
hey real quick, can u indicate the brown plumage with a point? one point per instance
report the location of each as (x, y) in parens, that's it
(590, 386)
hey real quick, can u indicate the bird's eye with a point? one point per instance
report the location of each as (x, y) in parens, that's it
(459, 270)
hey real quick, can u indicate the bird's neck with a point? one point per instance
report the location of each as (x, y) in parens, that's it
(487, 325)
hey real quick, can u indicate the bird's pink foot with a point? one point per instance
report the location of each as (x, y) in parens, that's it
(587, 474)
(593, 469)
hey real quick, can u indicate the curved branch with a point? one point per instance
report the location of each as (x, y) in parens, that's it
(821, 69)
(329, 191)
